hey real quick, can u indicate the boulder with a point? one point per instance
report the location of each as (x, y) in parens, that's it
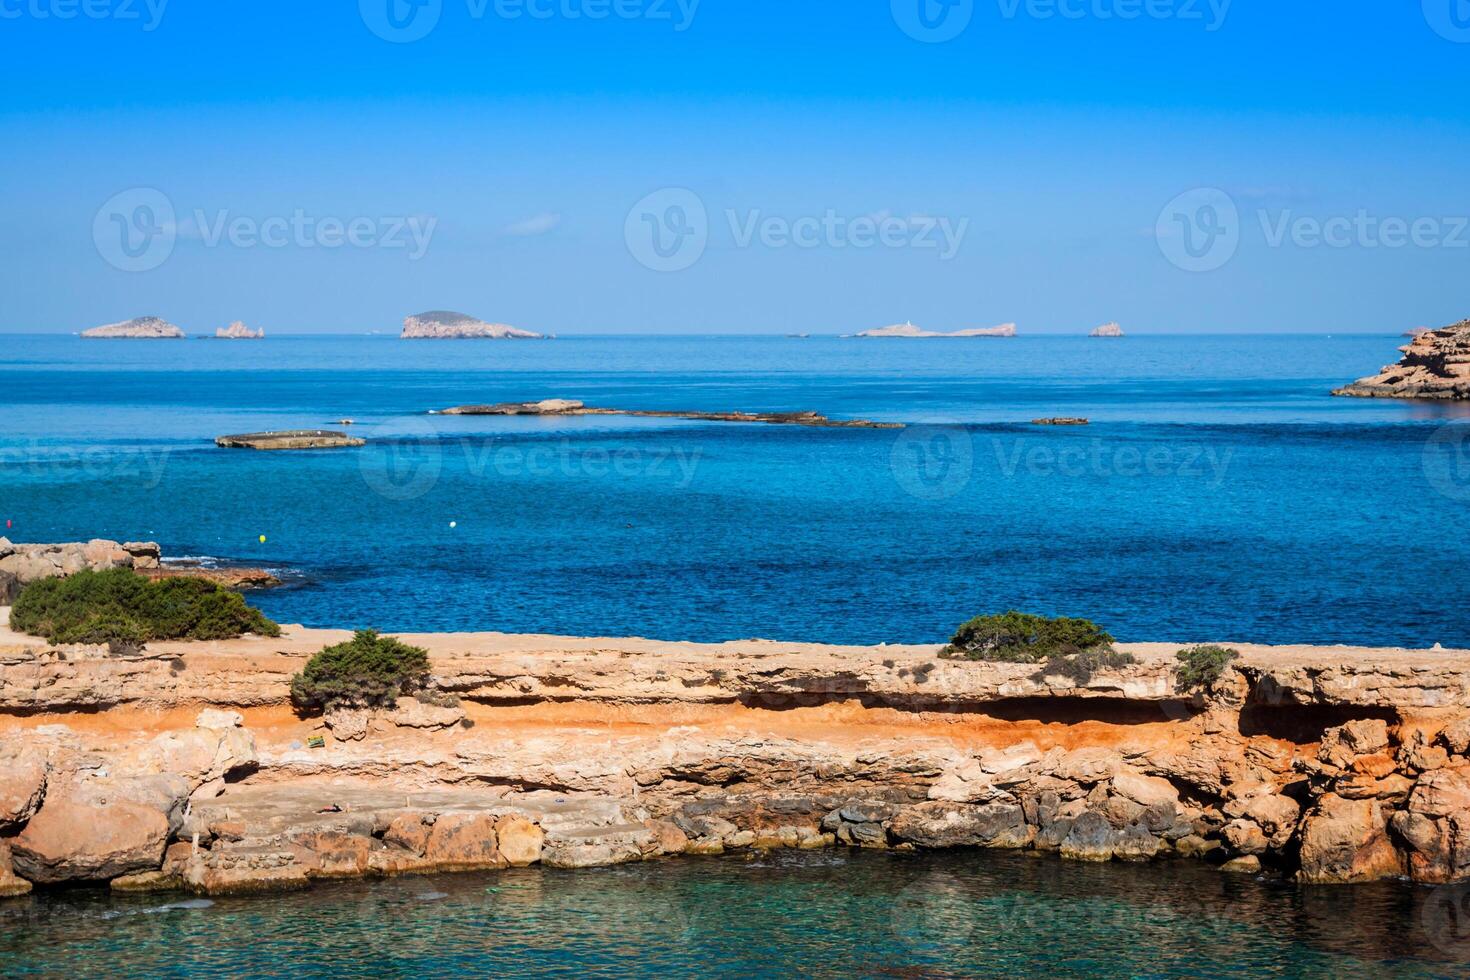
(1144, 790)
(940, 824)
(1245, 837)
(1276, 815)
(1457, 736)
(409, 831)
(413, 713)
(1341, 745)
(1347, 841)
(519, 840)
(667, 837)
(464, 842)
(73, 839)
(592, 847)
(22, 785)
(348, 724)
(1089, 838)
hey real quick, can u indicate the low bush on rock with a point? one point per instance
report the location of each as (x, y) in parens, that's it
(1021, 638)
(1201, 666)
(123, 609)
(1080, 667)
(368, 671)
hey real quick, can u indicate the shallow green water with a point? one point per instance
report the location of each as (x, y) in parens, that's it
(826, 914)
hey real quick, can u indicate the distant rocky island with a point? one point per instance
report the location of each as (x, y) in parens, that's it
(1436, 364)
(238, 331)
(911, 331)
(138, 328)
(446, 325)
(1107, 330)
(290, 439)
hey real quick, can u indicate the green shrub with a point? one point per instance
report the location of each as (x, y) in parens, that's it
(1021, 638)
(368, 671)
(123, 609)
(1081, 666)
(1201, 666)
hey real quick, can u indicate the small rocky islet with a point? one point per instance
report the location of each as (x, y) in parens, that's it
(567, 407)
(448, 325)
(909, 331)
(138, 328)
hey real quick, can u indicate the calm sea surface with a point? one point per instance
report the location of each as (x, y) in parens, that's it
(1219, 494)
(827, 914)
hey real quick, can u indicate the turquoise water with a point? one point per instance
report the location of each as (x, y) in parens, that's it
(825, 914)
(1219, 494)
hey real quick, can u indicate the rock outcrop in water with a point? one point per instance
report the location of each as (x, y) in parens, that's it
(562, 406)
(446, 325)
(1107, 330)
(1436, 364)
(139, 328)
(22, 564)
(290, 439)
(238, 331)
(911, 331)
(1325, 764)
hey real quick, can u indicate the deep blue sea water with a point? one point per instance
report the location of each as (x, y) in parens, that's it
(813, 914)
(1220, 493)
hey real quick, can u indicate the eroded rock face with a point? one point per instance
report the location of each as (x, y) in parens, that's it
(22, 785)
(10, 885)
(1436, 364)
(446, 325)
(1347, 841)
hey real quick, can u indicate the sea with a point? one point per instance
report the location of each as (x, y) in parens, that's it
(1219, 493)
(825, 914)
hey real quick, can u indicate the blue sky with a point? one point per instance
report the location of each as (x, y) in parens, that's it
(806, 165)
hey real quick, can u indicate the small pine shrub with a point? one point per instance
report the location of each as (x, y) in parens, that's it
(1201, 666)
(1021, 638)
(368, 671)
(1081, 666)
(126, 610)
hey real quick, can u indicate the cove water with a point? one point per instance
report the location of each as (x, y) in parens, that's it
(812, 914)
(1219, 494)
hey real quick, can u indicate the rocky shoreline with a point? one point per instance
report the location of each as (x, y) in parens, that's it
(184, 766)
(1436, 364)
(22, 564)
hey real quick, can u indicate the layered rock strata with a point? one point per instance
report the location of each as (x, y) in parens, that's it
(1331, 765)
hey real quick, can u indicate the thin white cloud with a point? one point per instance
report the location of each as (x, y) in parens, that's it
(538, 224)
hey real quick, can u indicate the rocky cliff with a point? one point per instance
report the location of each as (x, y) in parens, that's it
(444, 325)
(1436, 364)
(139, 328)
(21, 564)
(183, 765)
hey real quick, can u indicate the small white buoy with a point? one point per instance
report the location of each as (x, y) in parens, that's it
(454, 523)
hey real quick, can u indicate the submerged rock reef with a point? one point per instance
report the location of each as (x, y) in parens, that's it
(564, 406)
(183, 765)
(1436, 364)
